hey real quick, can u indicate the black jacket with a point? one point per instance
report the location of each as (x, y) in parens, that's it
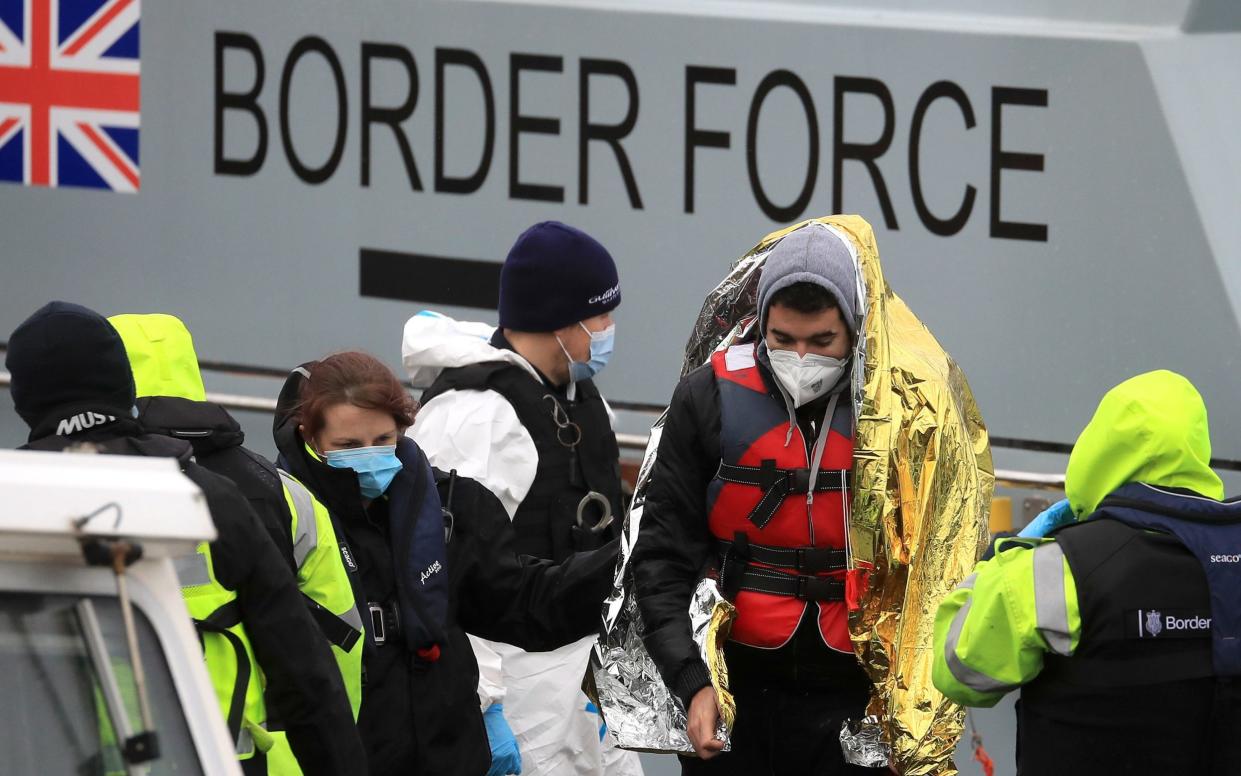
(304, 692)
(218, 442)
(675, 549)
(419, 716)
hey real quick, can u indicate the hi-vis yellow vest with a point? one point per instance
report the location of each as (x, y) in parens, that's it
(234, 672)
(324, 580)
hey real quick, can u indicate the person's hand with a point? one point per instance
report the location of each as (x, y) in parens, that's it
(704, 718)
(505, 756)
(1051, 518)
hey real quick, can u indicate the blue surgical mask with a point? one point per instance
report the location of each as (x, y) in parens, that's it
(601, 345)
(375, 466)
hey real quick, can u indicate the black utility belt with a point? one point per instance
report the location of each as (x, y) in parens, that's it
(807, 560)
(760, 580)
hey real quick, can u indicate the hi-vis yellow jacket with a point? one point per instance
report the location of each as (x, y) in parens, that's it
(164, 363)
(993, 631)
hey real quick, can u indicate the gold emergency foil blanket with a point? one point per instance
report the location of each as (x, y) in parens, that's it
(923, 480)
(712, 645)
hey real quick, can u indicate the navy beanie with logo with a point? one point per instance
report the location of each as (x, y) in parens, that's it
(64, 355)
(555, 276)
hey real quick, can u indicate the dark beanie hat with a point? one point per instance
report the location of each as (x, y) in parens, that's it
(555, 276)
(64, 355)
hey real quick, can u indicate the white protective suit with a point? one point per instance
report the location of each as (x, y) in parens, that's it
(477, 433)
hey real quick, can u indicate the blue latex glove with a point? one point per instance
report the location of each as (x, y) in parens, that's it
(505, 756)
(1048, 520)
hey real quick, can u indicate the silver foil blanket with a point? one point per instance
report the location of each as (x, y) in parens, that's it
(639, 710)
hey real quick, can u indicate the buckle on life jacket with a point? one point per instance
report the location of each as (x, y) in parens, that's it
(820, 589)
(737, 573)
(777, 483)
(807, 560)
(385, 622)
(767, 476)
(756, 579)
(734, 562)
(799, 481)
(817, 560)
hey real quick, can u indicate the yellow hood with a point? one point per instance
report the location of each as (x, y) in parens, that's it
(161, 354)
(1151, 428)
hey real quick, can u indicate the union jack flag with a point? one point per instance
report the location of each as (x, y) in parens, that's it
(69, 93)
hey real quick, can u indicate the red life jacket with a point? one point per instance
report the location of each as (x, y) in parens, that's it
(781, 547)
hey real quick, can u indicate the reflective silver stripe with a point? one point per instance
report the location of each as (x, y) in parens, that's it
(306, 537)
(245, 739)
(192, 570)
(306, 534)
(1051, 611)
(968, 582)
(975, 680)
(353, 618)
(245, 742)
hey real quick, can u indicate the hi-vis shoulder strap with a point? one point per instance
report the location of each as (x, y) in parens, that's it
(306, 528)
(342, 630)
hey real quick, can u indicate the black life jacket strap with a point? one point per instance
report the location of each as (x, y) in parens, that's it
(777, 483)
(338, 632)
(807, 588)
(733, 564)
(807, 560)
(218, 622)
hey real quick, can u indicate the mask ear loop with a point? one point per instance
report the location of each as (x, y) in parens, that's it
(595, 336)
(784, 394)
(571, 392)
(565, 350)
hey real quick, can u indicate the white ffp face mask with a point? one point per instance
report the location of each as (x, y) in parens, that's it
(808, 377)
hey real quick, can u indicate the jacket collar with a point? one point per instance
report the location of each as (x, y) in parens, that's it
(208, 427)
(120, 438)
(84, 420)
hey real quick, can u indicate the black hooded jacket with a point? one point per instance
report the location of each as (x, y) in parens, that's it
(675, 549)
(218, 442)
(304, 692)
(420, 716)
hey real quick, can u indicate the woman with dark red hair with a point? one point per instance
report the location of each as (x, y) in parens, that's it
(430, 556)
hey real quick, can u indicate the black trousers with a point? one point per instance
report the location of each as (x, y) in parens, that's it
(786, 729)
